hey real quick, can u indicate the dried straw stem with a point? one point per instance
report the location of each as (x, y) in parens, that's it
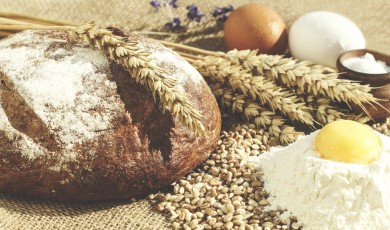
(9, 21)
(34, 20)
(187, 48)
(250, 111)
(20, 27)
(254, 87)
(5, 33)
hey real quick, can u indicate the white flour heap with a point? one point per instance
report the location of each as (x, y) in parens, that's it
(325, 194)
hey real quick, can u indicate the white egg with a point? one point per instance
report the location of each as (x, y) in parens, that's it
(321, 36)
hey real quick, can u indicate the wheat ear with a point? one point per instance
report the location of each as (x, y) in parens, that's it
(136, 61)
(323, 110)
(305, 76)
(256, 87)
(250, 111)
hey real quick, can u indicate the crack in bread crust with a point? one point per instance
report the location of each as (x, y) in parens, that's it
(23, 118)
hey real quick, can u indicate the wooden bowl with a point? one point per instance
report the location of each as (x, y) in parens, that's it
(379, 82)
(354, 75)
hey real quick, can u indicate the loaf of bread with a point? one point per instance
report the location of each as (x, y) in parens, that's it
(75, 127)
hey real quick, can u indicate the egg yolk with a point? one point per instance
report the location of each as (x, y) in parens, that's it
(348, 141)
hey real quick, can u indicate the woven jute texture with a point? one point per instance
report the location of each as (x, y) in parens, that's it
(372, 16)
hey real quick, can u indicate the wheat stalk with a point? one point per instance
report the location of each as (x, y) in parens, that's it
(23, 18)
(136, 61)
(250, 111)
(256, 87)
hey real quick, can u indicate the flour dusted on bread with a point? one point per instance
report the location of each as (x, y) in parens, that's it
(63, 81)
(79, 124)
(167, 58)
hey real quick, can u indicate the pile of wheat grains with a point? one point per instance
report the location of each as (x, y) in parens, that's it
(226, 192)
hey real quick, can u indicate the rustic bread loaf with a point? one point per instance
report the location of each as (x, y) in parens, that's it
(75, 127)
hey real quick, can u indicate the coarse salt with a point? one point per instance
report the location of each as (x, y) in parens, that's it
(366, 64)
(325, 194)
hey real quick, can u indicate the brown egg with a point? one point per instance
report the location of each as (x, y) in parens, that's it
(256, 26)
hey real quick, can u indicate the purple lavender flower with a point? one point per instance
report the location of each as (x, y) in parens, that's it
(173, 3)
(222, 13)
(222, 19)
(217, 11)
(174, 25)
(228, 9)
(155, 3)
(194, 13)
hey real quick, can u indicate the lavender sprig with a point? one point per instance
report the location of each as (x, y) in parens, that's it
(156, 4)
(173, 3)
(174, 24)
(194, 13)
(222, 13)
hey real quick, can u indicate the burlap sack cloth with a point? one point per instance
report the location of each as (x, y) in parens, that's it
(372, 16)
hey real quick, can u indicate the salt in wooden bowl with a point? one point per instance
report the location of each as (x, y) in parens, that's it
(379, 82)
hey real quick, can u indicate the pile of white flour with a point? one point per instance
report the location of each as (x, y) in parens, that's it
(325, 194)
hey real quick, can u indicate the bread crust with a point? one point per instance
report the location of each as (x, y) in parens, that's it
(139, 150)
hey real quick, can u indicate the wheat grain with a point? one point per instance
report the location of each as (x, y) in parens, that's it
(383, 127)
(226, 192)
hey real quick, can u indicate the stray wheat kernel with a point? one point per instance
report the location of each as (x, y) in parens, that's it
(263, 202)
(175, 225)
(295, 225)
